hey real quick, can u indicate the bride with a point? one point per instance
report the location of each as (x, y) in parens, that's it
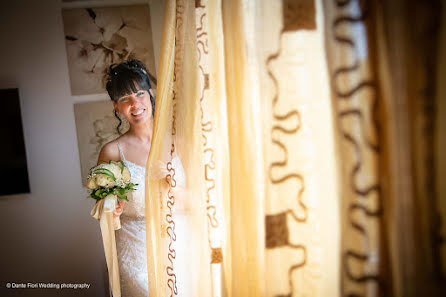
(130, 90)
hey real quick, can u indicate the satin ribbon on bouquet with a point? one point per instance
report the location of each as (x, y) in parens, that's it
(103, 211)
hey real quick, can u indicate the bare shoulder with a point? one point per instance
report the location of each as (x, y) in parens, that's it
(108, 152)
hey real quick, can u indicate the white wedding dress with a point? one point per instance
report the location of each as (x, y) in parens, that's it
(131, 238)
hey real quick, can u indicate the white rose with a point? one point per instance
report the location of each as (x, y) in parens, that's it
(103, 180)
(102, 175)
(114, 167)
(91, 183)
(126, 175)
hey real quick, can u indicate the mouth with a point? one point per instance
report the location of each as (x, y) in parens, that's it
(138, 113)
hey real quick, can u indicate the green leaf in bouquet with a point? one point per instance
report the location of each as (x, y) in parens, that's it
(101, 193)
(130, 186)
(123, 197)
(122, 165)
(105, 171)
(92, 195)
(98, 192)
(89, 170)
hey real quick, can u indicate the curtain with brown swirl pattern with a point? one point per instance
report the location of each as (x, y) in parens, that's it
(382, 57)
(306, 132)
(184, 210)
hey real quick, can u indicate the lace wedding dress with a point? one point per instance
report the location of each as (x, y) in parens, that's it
(131, 238)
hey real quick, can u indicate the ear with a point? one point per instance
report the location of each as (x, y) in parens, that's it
(115, 106)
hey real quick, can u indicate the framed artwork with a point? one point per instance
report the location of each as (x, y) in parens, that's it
(97, 37)
(14, 169)
(95, 126)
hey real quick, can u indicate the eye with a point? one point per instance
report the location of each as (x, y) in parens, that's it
(122, 99)
(140, 93)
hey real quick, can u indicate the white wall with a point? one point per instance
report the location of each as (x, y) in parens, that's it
(48, 235)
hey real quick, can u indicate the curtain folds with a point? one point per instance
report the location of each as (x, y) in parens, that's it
(186, 218)
(302, 137)
(246, 161)
(356, 103)
(382, 59)
(154, 205)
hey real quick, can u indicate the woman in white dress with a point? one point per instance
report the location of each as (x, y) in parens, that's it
(130, 90)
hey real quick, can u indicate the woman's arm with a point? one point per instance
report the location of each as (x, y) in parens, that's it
(109, 152)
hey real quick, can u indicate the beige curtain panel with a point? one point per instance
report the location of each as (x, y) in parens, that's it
(301, 149)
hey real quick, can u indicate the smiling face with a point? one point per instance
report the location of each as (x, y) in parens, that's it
(130, 90)
(136, 107)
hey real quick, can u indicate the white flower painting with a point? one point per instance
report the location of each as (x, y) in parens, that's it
(98, 37)
(95, 125)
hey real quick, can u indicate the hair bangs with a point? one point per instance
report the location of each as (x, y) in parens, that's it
(126, 83)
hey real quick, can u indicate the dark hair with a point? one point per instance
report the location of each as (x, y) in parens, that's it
(126, 78)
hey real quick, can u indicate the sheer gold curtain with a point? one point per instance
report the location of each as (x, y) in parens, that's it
(284, 198)
(185, 248)
(294, 133)
(288, 74)
(382, 58)
(356, 100)
(241, 102)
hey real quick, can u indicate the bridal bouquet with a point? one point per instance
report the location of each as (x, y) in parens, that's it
(109, 182)
(110, 179)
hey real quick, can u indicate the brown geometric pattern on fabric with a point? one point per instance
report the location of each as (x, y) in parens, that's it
(276, 230)
(277, 227)
(169, 222)
(359, 270)
(299, 15)
(206, 121)
(198, 4)
(206, 81)
(208, 133)
(217, 256)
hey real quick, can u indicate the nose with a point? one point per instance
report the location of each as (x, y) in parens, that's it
(133, 100)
